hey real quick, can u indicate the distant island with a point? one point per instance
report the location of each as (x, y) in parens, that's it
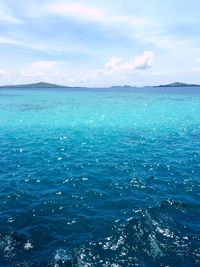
(35, 85)
(178, 84)
(44, 85)
(122, 86)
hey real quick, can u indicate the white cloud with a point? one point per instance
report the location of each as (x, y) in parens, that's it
(196, 69)
(23, 43)
(3, 72)
(143, 61)
(26, 73)
(85, 12)
(45, 64)
(76, 10)
(60, 75)
(112, 62)
(39, 69)
(6, 17)
(131, 21)
(6, 40)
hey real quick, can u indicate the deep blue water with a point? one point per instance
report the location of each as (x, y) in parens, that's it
(100, 178)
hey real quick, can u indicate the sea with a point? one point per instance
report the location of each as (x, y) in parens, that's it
(100, 177)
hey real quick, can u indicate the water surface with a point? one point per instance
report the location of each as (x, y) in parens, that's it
(99, 178)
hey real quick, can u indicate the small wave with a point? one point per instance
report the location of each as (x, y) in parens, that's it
(64, 258)
(12, 246)
(153, 238)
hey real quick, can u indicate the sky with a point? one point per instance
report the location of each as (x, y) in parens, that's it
(99, 43)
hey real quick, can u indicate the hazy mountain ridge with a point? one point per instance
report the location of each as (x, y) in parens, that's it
(51, 85)
(178, 84)
(35, 85)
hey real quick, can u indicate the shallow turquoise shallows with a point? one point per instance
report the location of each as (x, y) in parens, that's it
(100, 177)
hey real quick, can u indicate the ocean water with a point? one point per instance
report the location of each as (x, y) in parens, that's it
(100, 178)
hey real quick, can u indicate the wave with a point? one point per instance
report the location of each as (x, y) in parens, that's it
(155, 237)
(162, 235)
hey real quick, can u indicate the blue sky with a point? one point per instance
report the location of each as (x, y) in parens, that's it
(99, 42)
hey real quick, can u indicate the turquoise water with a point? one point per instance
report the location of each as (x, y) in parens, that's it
(99, 178)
